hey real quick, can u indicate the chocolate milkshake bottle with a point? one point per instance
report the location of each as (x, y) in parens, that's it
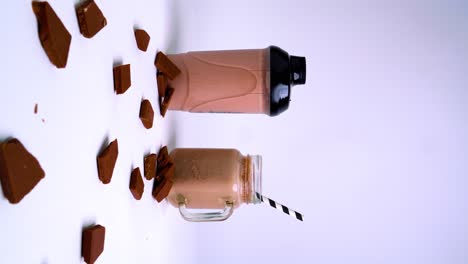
(236, 81)
(216, 179)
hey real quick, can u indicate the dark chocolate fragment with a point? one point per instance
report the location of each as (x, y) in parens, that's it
(167, 171)
(150, 166)
(35, 108)
(146, 114)
(163, 158)
(136, 184)
(19, 170)
(142, 39)
(161, 189)
(55, 38)
(106, 162)
(166, 101)
(122, 79)
(92, 243)
(90, 18)
(164, 64)
(162, 83)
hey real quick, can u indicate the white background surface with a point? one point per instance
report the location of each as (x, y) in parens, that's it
(372, 150)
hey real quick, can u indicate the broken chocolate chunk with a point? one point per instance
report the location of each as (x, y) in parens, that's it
(136, 184)
(142, 39)
(146, 114)
(106, 162)
(90, 18)
(165, 65)
(150, 166)
(167, 171)
(122, 80)
(19, 170)
(163, 157)
(166, 101)
(161, 189)
(162, 83)
(35, 108)
(55, 38)
(92, 243)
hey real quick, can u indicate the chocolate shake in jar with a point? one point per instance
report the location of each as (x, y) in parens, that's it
(236, 81)
(219, 180)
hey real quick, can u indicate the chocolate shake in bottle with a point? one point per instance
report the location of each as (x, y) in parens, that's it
(236, 81)
(216, 179)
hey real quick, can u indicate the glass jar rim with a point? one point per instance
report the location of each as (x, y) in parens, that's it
(255, 178)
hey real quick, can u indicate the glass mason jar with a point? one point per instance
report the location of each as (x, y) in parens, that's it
(219, 180)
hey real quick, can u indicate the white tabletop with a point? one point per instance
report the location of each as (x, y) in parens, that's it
(77, 112)
(372, 150)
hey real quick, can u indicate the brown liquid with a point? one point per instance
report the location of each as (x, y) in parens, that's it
(235, 81)
(207, 178)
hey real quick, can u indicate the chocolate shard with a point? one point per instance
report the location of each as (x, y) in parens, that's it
(106, 161)
(55, 38)
(142, 39)
(165, 65)
(161, 189)
(166, 101)
(19, 170)
(92, 243)
(167, 171)
(162, 83)
(146, 114)
(90, 18)
(150, 166)
(136, 184)
(122, 79)
(163, 157)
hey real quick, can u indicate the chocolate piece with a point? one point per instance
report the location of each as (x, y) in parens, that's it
(142, 39)
(92, 243)
(55, 38)
(106, 161)
(35, 108)
(164, 64)
(90, 18)
(122, 80)
(167, 100)
(161, 189)
(167, 171)
(146, 114)
(19, 170)
(163, 157)
(150, 166)
(162, 83)
(136, 184)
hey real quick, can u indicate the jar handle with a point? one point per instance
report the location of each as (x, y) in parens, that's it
(206, 217)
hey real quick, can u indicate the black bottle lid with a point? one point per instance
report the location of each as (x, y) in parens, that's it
(298, 69)
(285, 71)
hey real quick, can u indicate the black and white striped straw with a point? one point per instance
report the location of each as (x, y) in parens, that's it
(279, 206)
